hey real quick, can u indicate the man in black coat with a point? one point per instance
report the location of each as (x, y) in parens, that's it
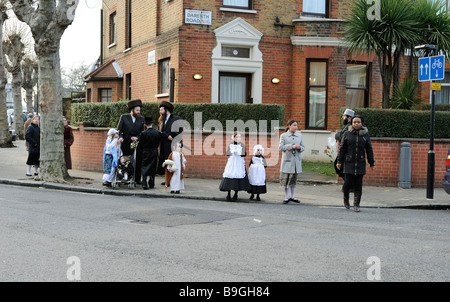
(149, 141)
(129, 127)
(170, 129)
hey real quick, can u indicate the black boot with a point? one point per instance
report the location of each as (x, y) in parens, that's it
(252, 196)
(235, 195)
(257, 198)
(228, 196)
(357, 201)
(346, 200)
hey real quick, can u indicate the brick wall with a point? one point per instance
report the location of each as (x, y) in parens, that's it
(207, 158)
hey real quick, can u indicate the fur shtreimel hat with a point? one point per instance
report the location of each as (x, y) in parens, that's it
(170, 165)
(167, 105)
(134, 103)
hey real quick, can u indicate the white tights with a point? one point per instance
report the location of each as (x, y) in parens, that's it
(289, 190)
(29, 169)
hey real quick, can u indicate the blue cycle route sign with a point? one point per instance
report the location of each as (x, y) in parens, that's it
(431, 68)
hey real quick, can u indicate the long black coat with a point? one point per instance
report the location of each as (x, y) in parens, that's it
(33, 138)
(127, 129)
(354, 147)
(170, 128)
(149, 141)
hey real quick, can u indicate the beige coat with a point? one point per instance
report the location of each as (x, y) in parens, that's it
(291, 160)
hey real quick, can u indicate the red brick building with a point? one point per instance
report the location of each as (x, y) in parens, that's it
(238, 47)
(288, 52)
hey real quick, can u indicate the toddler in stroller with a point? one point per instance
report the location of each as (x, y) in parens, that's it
(125, 170)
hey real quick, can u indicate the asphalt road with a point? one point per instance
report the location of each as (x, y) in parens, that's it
(49, 235)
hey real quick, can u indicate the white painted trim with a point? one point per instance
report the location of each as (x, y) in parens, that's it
(237, 33)
(317, 41)
(161, 95)
(312, 19)
(117, 68)
(238, 10)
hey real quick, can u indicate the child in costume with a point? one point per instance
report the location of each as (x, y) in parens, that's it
(235, 176)
(176, 163)
(110, 159)
(257, 173)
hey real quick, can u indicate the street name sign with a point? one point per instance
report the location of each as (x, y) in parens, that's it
(431, 68)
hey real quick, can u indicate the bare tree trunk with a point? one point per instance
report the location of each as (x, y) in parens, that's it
(29, 100)
(17, 96)
(51, 110)
(5, 137)
(47, 22)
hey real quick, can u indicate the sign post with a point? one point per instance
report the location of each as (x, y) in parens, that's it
(430, 69)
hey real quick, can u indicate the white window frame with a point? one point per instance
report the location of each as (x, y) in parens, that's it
(238, 33)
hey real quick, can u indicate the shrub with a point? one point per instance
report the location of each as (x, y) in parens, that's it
(108, 114)
(404, 96)
(404, 123)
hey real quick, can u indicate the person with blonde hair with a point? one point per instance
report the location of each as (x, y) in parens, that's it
(110, 157)
(235, 176)
(33, 138)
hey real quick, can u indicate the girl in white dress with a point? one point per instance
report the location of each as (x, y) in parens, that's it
(257, 173)
(235, 176)
(177, 180)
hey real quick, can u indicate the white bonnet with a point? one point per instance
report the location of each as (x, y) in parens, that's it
(258, 147)
(112, 131)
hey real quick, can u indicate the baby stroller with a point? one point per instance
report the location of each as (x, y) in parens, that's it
(125, 172)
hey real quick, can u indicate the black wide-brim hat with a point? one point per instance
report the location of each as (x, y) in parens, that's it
(134, 103)
(167, 105)
(148, 120)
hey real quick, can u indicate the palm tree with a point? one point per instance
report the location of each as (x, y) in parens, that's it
(387, 37)
(402, 25)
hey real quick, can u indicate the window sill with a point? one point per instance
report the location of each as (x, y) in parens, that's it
(316, 19)
(112, 45)
(161, 95)
(127, 50)
(238, 10)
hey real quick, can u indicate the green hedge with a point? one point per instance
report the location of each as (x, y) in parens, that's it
(108, 114)
(438, 107)
(404, 123)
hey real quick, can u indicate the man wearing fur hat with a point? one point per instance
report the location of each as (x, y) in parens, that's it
(169, 129)
(149, 141)
(129, 127)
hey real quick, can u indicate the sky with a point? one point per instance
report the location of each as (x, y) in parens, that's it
(80, 42)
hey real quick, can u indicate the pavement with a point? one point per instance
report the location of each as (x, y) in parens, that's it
(312, 189)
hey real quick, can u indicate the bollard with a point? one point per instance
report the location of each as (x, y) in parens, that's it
(404, 173)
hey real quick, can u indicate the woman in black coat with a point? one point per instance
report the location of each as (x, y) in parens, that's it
(33, 138)
(355, 147)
